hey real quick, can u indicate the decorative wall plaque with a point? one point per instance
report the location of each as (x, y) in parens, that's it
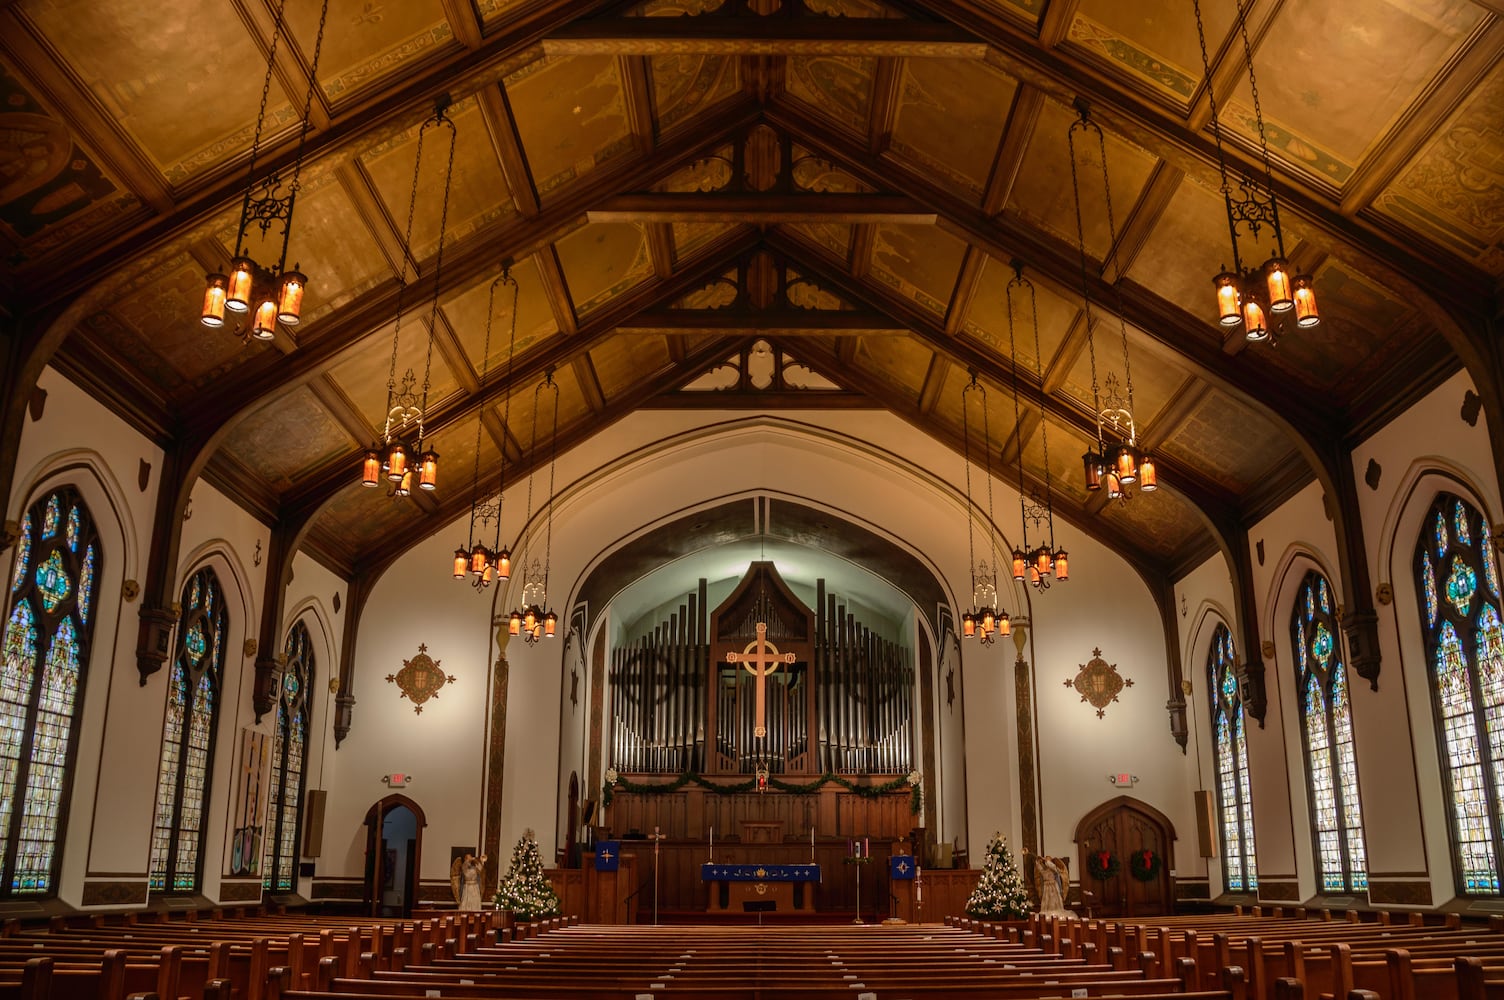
(420, 679)
(1099, 682)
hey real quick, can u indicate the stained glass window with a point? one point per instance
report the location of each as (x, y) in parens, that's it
(1465, 657)
(1327, 731)
(188, 737)
(1235, 804)
(43, 660)
(289, 764)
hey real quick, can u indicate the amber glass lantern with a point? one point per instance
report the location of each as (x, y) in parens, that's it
(1004, 626)
(1148, 475)
(969, 625)
(1062, 566)
(1227, 299)
(370, 469)
(396, 461)
(461, 563)
(1126, 464)
(550, 625)
(514, 623)
(238, 288)
(265, 326)
(215, 289)
(428, 470)
(1254, 325)
(478, 559)
(1305, 302)
(502, 561)
(1095, 470)
(404, 485)
(1277, 281)
(290, 299)
(1020, 564)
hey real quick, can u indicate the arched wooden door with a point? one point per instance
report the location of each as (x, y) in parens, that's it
(382, 856)
(1126, 828)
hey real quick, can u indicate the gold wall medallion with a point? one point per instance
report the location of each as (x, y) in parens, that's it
(1099, 682)
(420, 679)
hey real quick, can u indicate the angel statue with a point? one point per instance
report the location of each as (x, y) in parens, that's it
(1052, 880)
(464, 878)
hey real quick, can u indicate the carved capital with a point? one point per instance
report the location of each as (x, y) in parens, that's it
(344, 712)
(10, 533)
(268, 677)
(1362, 631)
(154, 644)
(1178, 726)
(1251, 688)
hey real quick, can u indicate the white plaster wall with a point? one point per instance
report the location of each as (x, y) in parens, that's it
(79, 441)
(1427, 449)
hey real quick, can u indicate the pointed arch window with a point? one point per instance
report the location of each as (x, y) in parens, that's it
(193, 693)
(44, 657)
(289, 770)
(1235, 806)
(1457, 576)
(1327, 734)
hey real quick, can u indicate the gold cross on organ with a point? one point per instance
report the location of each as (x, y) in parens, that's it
(762, 658)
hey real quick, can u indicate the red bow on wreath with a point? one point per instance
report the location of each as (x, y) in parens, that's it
(1148, 857)
(1103, 857)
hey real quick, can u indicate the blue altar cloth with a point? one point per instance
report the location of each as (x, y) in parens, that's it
(759, 873)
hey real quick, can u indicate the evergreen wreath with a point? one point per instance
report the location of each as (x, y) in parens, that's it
(1144, 865)
(615, 781)
(1102, 865)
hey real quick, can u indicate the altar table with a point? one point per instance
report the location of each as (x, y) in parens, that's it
(752, 887)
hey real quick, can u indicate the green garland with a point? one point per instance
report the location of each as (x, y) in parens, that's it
(1144, 865)
(916, 796)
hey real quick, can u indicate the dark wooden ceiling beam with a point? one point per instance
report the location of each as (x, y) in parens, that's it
(1056, 23)
(465, 23)
(934, 381)
(1192, 484)
(967, 284)
(863, 37)
(453, 352)
(455, 504)
(374, 216)
(1004, 238)
(293, 66)
(39, 65)
(556, 289)
(787, 322)
(589, 382)
(345, 412)
(313, 492)
(882, 113)
(1164, 181)
(760, 208)
(506, 143)
(1441, 275)
(256, 383)
(660, 237)
(1228, 62)
(1018, 130)
(359, 124)
(637, 97)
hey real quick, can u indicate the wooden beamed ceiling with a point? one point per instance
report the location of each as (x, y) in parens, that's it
(849, 181)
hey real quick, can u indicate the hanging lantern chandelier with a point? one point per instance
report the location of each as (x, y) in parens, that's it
(407, 406)
(1115, 462)
(259, 296)
(986, 620)
(1253, 298)
(533, 619)
(485, 563)
(1044, 561)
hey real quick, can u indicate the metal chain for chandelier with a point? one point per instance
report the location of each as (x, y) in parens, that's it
(986, 620)
(1117, 462)
(1044, 561)
(407, 407)
(534, 619)
(1251, 297)
(277, 292)
(485, 563)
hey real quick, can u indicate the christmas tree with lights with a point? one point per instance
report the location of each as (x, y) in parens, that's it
(1000, 893)
(526, 890)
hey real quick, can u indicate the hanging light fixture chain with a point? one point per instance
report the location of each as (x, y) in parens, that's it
(266, 88)
(506, 410)
(1253, 86)
(1044, 425)
(1018, 424)
(313, 77)
(1117, 276)
(987, 472)
(553, 456)
(480, 425)
(406, 250)
(1211, 97)
(438, 263)
(971, 549)
(1091, 346)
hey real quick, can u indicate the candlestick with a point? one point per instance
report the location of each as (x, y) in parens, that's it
(712, 842)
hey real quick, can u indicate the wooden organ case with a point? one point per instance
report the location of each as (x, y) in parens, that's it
(681, 709)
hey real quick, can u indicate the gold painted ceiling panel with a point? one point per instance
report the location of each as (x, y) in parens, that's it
(898, 361)
(365, 40)
(363, 374)
(1229, 442)
(918, 263)
(290, 435)
(950, 118)
(456, 447)
(623, 361)
(603, 260)
(467, 315)
(1153, 41)
(1163, 519)
(1042, 193)
(987, 316)
(341, 260)
(683, 85)
(1157, 375)
(840, 87)
(1452, 192)
(1065, 448)
(363, 517)
(1339, 83)
(571, 116)
(162, 315)
(478, 194)
(153, 73)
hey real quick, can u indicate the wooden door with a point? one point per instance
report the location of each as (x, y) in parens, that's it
(1141, 840)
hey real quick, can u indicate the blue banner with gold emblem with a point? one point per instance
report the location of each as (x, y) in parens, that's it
(901, 867)
(607, 855)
